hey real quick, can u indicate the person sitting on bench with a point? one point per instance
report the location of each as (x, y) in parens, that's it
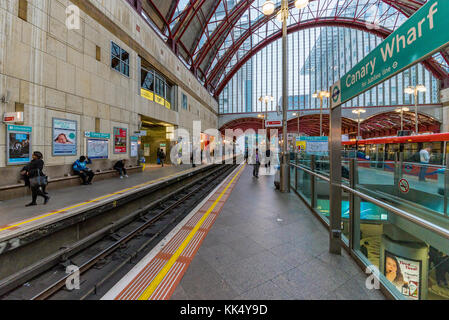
(80, 168)
(120, 166)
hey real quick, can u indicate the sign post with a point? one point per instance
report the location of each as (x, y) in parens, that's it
(422, 35)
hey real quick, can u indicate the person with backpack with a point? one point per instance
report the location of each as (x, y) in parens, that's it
(38, 181)
(120, 167)
(162, 157)
(268, 160)
(80, 168)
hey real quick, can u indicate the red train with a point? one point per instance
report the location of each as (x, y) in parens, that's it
(382, 151)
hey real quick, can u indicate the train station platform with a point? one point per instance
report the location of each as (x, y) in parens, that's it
(246, 241)
(14, 214)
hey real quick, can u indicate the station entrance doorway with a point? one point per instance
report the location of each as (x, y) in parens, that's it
(159, 135)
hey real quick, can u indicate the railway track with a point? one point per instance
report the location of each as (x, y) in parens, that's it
(102, 263)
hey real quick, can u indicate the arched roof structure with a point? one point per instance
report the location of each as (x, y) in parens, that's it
(378, 125)
(216, 37)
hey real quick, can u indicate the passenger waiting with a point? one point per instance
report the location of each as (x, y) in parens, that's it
(424, 159)
(120, 167)
(80, 168)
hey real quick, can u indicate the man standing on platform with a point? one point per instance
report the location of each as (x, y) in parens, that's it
(424, 155)
(256, 165)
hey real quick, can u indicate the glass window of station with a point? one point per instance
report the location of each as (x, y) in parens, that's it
(184, 101)
(154, 86)
(119, 59)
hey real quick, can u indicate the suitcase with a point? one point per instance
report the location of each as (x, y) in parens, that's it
(277, 178)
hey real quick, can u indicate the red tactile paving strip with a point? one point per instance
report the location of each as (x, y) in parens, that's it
(168, 285)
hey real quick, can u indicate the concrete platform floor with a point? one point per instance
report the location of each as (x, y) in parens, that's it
(14, 210)
(268, 246)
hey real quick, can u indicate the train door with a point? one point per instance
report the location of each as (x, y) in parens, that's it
(410, 149)
(445, 148)
(380, 156)
(437, 153)
(391, 150)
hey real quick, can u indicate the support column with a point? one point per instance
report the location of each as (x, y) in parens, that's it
(335, 183)
(444, 98)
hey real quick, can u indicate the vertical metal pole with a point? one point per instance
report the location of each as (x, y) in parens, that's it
(335, 183)
(321, 115)
(402, 119)
(354, 205)
(296, 172)
(313, 195)
(396, 176)
(446, 187)
(358, 125)
(298, 123)
(284, 166)
(416, 111)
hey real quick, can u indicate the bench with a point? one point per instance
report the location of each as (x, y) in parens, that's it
(19, 190)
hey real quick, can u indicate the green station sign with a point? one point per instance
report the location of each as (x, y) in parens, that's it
(97, 135)
(423, 34)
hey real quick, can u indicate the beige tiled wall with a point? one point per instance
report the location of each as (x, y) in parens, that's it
(53, 71)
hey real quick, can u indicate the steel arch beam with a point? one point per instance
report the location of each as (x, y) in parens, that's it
(220, 34)
(430, 63)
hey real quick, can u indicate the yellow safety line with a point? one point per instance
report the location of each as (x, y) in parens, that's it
(88, 202)
(158, 279)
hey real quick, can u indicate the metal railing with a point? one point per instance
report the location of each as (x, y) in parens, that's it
(429, 229)
(350, 189)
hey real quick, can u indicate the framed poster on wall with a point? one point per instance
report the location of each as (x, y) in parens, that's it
(97, 148)
(18, 145)
(64, 135)
(97, 145)
(404, 274)
(134, 151)
(120, 139)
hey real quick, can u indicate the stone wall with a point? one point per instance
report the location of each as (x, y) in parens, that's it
(53, 72)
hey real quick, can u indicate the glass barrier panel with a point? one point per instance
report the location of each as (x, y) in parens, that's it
(322, 198)
(304, 185)
(412, 262)
(414, 187)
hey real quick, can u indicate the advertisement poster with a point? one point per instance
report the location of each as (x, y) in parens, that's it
(64, 137)
(146, 150)
(134, 147)
(313, 145)
(18, 144)
(120, 137)
(405, 274)
(97, 148)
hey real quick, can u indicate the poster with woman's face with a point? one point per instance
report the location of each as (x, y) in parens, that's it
(404, 274)
(64, 137)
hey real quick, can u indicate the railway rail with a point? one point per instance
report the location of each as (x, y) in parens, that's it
(107, 254)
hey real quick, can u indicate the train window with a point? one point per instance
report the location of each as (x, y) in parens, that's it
(410, 149)
(392, 150)
(437, 153)
(381, 152)
(371, 152)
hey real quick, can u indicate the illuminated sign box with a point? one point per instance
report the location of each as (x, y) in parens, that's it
(12, 117)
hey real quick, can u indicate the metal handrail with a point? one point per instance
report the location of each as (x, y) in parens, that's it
(408, 216)
(312, 173)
